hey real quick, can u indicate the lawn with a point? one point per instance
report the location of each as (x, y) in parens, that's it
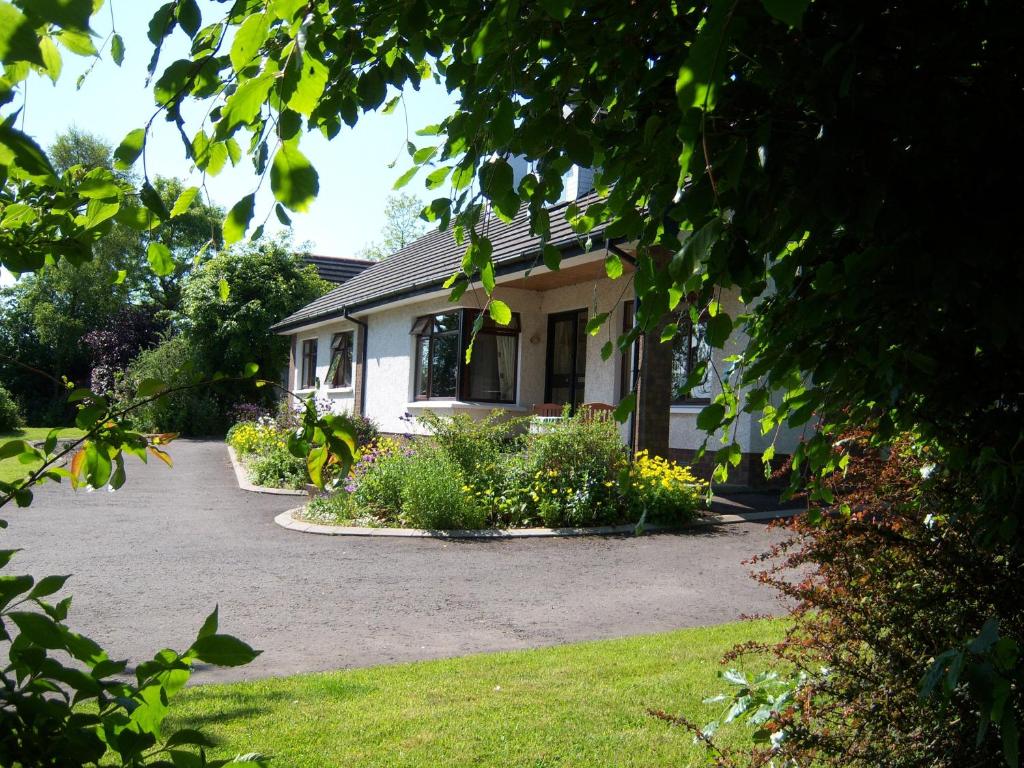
(11, 469)
(575, 705)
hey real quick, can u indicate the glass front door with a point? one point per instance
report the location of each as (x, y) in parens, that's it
(567, 358)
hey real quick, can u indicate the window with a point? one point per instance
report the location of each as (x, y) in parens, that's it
(437, 355)
(490, 376)
(307, 378)
(690, 349)
(340, 372)
(441, 368)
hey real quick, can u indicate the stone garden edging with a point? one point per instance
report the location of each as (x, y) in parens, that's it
(288, 520)
(245, 485)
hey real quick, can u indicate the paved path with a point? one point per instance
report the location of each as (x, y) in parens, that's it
(153, 558)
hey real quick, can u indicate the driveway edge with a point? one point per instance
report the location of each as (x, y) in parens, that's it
(245, 485)
(288, 520)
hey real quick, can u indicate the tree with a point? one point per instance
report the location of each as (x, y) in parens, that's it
(402, 225)
(843, 167)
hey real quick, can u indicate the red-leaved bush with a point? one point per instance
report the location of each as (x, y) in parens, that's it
(885, 587)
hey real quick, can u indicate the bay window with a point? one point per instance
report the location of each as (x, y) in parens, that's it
(441, 370)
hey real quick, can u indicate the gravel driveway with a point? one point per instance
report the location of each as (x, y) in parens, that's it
(150, 560)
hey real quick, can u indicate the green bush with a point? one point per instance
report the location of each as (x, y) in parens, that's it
(275, 467)
(475, 444)
(338, 508)
(433, 496)
(574, 467)
(376, 481)
(10, 413)
(190, 412)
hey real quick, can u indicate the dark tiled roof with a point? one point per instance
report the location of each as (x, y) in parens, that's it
(335, 269)
(424, 265)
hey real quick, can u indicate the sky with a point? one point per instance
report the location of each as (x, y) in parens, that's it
(355, 179)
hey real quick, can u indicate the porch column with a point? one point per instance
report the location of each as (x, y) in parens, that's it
(654, 383)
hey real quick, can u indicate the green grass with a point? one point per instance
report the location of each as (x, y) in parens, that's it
(12, 469)
(574, 705)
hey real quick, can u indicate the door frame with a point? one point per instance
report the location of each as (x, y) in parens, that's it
(549, 354)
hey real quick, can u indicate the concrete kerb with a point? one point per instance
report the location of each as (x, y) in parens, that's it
(288, 520)
(245, 485)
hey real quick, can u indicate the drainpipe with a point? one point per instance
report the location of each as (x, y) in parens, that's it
(362, 357)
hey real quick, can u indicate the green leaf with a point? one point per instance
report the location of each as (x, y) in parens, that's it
(500, 312)
(130, 148)
(12, 448)
(552, 258)
(47, 586)
(99, 183)
(293, 179)
(248, 39)
(97, 212)
(559, 9)
(594, 324)
(40, 629)
(150, 387)
(437, 177)
(77, 42)
(69, 14)
(282, 215)
(223, 289)
(700, 75)
(152, 200)
(406, 177)
(18, 41)
(625, 407)
(160, 260)
(51, 57)
(184, 201)
(250, 369)
(790, 12)
(238, 218)
(117, 49)
(711, 416)
(245, 104)
(613, 266)
(21, 151)
(719, 328)
(210, 624)
(223, 651)
(310, 85)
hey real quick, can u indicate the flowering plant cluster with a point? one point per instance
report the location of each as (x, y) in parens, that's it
(575, 474)
(661, 489)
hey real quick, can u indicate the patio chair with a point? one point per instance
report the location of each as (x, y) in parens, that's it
(548, 410)
(597, 411)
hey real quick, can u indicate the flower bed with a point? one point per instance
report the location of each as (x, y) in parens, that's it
(261, 443)
(491, 473)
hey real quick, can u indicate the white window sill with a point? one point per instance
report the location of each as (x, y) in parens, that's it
(305, 391)
(340, 390)
(452, 404)
(689, 408)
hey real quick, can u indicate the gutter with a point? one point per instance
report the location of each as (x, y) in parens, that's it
(362, 357)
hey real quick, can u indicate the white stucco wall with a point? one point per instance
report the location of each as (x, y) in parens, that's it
(342, 399)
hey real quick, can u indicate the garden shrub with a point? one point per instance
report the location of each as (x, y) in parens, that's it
(433, 495)
(575, 466)
(10, 413)
(338, 508)
(376, 481)
(275, 467)
(890, 585)
(475, 444)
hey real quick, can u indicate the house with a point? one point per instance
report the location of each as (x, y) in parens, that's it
(337, 269)
(389, 343)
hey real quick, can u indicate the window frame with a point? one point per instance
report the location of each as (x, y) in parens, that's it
(429, 336)
(685, 326)
(308, 361)
(463, 333)
(513, 329)
(334, 370)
